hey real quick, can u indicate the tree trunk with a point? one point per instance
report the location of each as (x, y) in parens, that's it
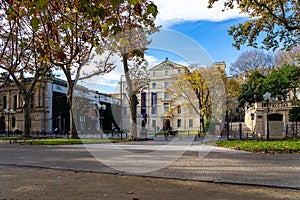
(133, 121)
(73, 130)
(26, 114)
(132, 99)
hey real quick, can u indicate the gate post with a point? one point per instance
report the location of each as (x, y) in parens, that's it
(240, 130)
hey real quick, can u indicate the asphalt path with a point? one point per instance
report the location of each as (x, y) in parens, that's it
(189, 161)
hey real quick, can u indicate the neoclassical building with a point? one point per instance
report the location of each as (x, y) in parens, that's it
(49, 109)
(158, 106)
(46, 110)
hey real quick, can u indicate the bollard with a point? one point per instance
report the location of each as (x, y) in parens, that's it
(240, 130)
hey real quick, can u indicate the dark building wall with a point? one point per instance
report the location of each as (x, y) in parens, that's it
(60, 112)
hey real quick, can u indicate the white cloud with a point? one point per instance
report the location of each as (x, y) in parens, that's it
(175, 11)
(109, 82)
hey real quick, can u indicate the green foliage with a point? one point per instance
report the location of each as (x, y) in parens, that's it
(152, 9)
(279, 82)
(282, 80)
(276, 23)
(253, 90)
(294, 114)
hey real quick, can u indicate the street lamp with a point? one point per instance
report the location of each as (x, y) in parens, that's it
(267, 97)
(8, 113)
(121, 103)
(101, 107)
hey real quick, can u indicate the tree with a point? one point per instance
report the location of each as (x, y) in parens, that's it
(252, 60)
(193, 90)
(233, 91)
(133, 23)
(69, 32)
(253, 90)
(283, 80)
(201, 90)
(203, 98)
(19, 53)
(291, 57)
(276, 22)
(294, 116)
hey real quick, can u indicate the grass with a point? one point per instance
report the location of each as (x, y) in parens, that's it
(62, 141)
(279, 146)
(180, 133)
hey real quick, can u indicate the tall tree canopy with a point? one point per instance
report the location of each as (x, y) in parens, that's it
(283, 82)
(64, 33)
(252, 60)
(193, 90)
(253, 90)
(20, 55)
(277, 23)
(134, 22)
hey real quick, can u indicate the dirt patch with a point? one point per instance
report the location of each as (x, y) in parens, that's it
(39, 183)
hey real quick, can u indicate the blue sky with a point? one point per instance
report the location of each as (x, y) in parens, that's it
(191, 34)
(213, 37)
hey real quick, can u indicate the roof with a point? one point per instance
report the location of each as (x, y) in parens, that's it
(166, 65)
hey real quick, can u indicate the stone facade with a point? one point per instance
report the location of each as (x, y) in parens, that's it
(49, 109)
(277, 112)
(160, 107)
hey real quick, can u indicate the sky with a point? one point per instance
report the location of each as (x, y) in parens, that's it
(190, 34)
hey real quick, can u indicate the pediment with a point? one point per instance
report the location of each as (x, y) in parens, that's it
(166, 65)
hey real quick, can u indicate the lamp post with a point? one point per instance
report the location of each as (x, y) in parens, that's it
(121, 103)
(8, 113)
(267, 96)
(102, 107)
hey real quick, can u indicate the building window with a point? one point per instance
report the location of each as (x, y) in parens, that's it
(166, 73)
(191, 123)
(4, 99)
(178, 123)
(154, 124)
(153, 110)
(32, 100)
(178, 109)
(15, 103)
(13, 122)
(166, 107)
(166, 84)
(166, 96)
(153, 85)
(153, 74)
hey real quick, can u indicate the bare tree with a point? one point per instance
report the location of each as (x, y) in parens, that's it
(288, 57)
(252, 60)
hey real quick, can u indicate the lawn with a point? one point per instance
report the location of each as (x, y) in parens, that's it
(279, 146)
(60, 141)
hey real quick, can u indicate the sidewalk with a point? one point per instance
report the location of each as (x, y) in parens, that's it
(41, 183)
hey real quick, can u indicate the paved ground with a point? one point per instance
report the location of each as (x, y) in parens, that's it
(202, 163)
(48, 184)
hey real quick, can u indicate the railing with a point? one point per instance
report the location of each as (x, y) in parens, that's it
(277, 104)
